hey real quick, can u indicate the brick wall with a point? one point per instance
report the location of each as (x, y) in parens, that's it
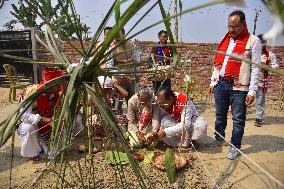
(200, 65)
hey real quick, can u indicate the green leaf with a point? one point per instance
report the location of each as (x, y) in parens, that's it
(108, 117)
(29, 60)
(117, 11)
(100, 29)
(167, 23)
(115, 157)
(125, 17)
(141, 18)
(78, 26)
(211, 3)
(35, 7)
(170, 165)
(148, 158)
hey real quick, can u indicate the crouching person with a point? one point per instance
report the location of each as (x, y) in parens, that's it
(35, 129)
(142, 115)
(28, 129)
(182, 124)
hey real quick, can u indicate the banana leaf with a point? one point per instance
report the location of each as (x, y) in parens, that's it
(170, 165)
(148, 158)
(116, 157)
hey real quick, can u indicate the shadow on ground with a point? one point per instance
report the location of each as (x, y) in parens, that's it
(254, 172)
(271, 120)
(260, 143)
(5, 155)
(274, 120)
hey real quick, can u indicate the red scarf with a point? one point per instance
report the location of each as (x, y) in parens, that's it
(145, 119)
(233, 66)
(178, 104)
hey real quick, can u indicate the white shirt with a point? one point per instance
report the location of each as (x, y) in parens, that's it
(273, 60)
(255, 70)
(186, 118)
(29, 117)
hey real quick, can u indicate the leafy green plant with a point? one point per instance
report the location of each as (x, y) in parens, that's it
(25, 15)
(82, 83)
(59, 14)
(170, 165)
(10, 25)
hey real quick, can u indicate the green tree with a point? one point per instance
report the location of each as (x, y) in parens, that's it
(83, 87)
(11, 25)
(56, 14)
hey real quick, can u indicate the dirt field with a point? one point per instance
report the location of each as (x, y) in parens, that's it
(263, 145)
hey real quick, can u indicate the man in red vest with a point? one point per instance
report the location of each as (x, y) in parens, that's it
(48, 101)
(181, 125)
(234, 82)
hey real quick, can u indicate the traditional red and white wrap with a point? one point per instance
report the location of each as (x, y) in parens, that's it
(244, 75)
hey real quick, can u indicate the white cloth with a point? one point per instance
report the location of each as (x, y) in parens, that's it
(105, 82)
(199, 128)
(272, 58)
(191, 125)
(27, 131)
(29, 117)
(31, 142)
(255, 57)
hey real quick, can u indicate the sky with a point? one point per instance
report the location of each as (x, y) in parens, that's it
(204, 25)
